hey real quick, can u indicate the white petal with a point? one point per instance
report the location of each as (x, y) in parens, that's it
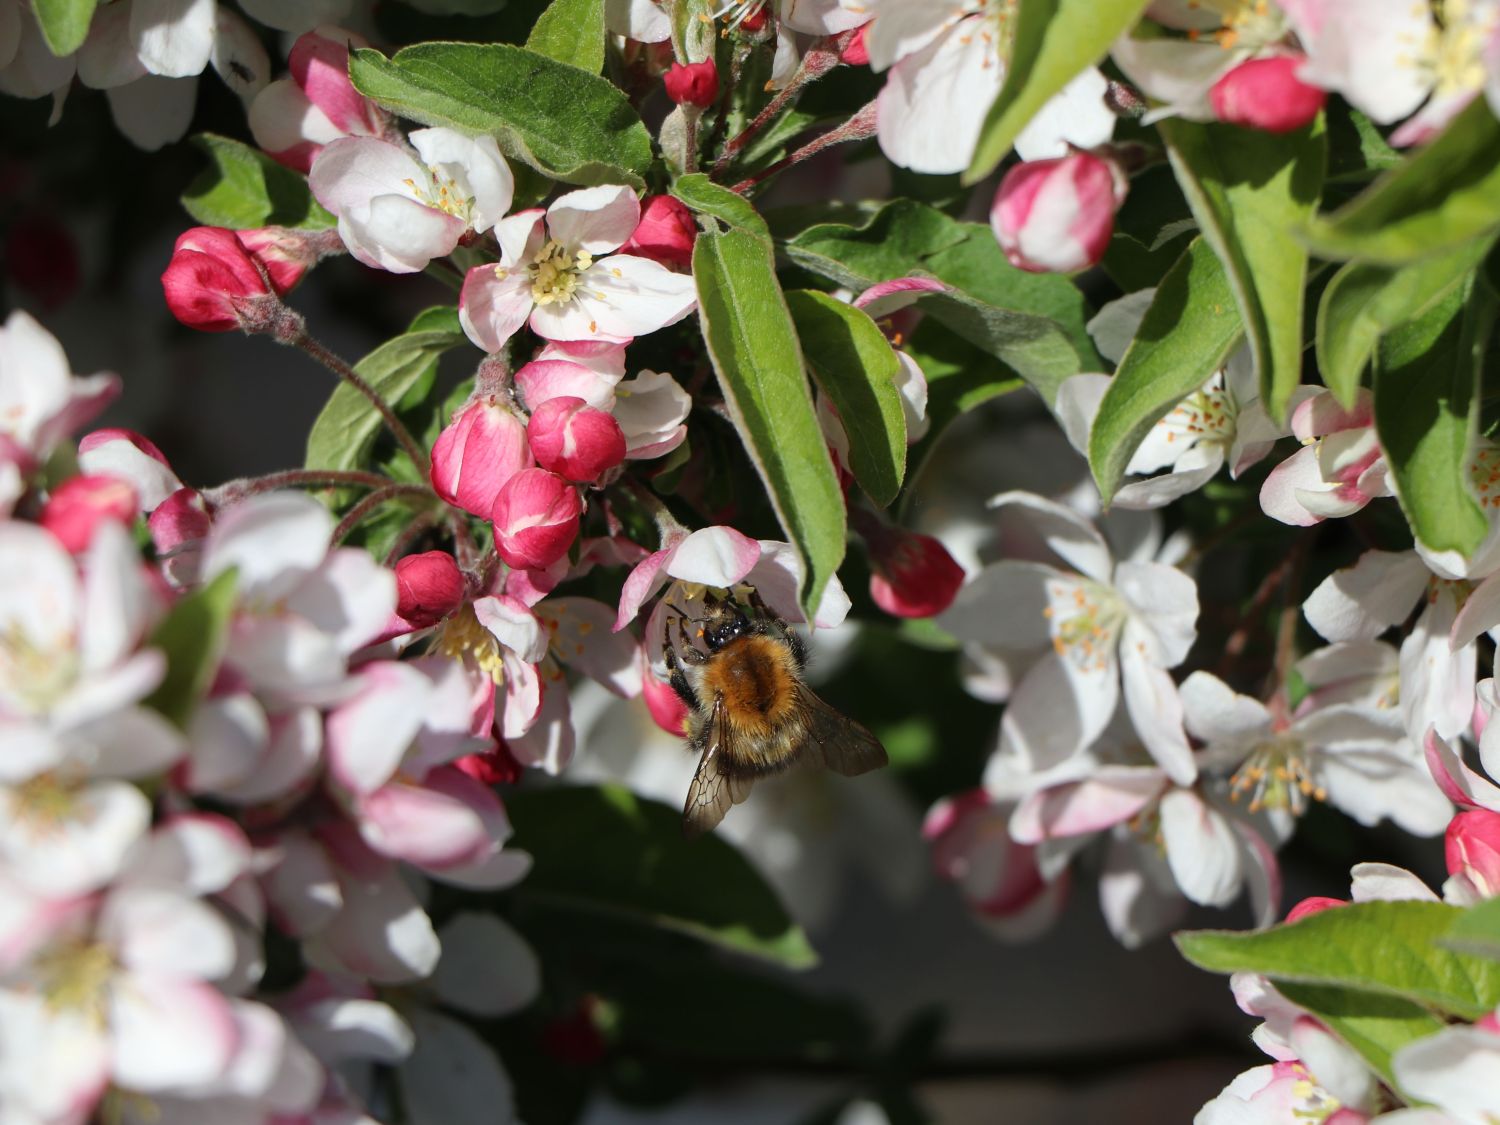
(161, 931)
(382, 932)
(1057, 710)
(1076, 116)
(1363, 601)
(54, 1063)
(487, 968)
(168, 1032)
(452, 1076)
(302, 887)
(369, 735)
(1454, 1069)
(596, 220)
(201, 853)
(272, 541)
(80, 852)
(174, 38)
(934, 101)
(1381, 882)
(1216, 713)
(1201, 849)
(1156, 712)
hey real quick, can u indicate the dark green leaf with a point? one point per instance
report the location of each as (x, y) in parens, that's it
(1035, 324)
(1477, 931)
(192, 637)
(1374, 1025)
(348, 423)
(1055, 40)
(1385, 947)
(243, 189)
(574, 127)
(856, 368)
(601, 850)
(571, 31)
(64, 23)
(1187, 334)
(1439, 198)
(1426, 380)
(1364, 301)
(755, 350)
(1249, 190)
(708, 198)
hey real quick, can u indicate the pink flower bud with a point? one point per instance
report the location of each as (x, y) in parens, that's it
(287, 255)
(1266, 94)
(491, 767)
(911, 575)
(1472, 848)
(1056, 216)
(213, 283)
(665, 234)
(1314, 905)
(574, 440)
(80, 504)
(855, 53)
(131, 457)
(536, 519)
(429, 587)
(693, 83)
(482, 448)
(666, 706)
(319, 63)
(180, 519)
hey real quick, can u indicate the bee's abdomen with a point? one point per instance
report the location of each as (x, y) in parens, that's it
(753, 677)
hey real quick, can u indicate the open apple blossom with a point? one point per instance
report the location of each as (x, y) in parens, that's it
(585, 490)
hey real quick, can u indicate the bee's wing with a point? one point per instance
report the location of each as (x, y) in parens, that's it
(840, 743)
(716, 787)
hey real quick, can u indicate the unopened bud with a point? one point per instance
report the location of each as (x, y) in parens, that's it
(482, 448)
(80, 504)
(1057, 216)
(429, 587)
(1266, 94)
(213, 283)
(1472, 848)
(665, 234)
(575, 440)
(536, 518)
(693, 83)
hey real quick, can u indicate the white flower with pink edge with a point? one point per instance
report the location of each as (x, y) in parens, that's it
(557, 274)
(1339, 469)
(397, 208)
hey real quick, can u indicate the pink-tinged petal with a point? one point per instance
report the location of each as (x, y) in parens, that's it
(1364, 52)
(513, 624)
(501, 869)
(482, 448)
(886, 297)
(520, 236)
(452, 1074)
(523, 697)
(54, 1063)
(1262, 874)
(1459, 783)
(487, 968)
(493, 305)
(349, 598)
(130, 457)
(369, 735)
(595, 220)
(272, 541)
(158, 930)
(226, 738)
(640, 584)
(79, 852)
(269, 1065)
(422, 825)
(1363, 601)
(168, 1032)
(289, 658)
(342, 1029)
(302, 888)
(651, 409)
(1112, 796)
(714, 556)
(549, 740)
(319, 64)
(398, 234)
(1202, 849)
(382, 932)
(288, 127)
(544, 379)
(294, 752)
(582, 639)
(352, 171)
(1283, 495)
(201, 853)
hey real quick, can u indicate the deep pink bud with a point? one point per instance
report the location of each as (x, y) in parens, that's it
(911, 575)
(666, 706)
(665, 234)
(429, 587)
(80, 504)
(482, 448)
(1056, 216)
(212, 280)
(1472, 848)
(285, 254)
(536, 519)
(491, 767)
(1266, 94)
(855, 53)
(693, 83)
(574, 440)
(319, 62)
(181, 518)
(1314, 905)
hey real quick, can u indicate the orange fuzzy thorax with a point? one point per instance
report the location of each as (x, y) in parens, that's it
(755, 679)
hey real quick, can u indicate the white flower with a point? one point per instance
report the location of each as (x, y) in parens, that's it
(553, 275)
(946, 62)
(1357, 759)
(397, 211)
(1455, 1071)
(1110, 626)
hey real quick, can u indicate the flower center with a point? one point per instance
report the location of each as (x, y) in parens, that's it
(1205, 415)
(1086, 621)
(736, 13)
(75, 976)
(462, 637)
(45, 802)
(1245, 24)
(442, 191)
(555, 272)
(1312, 1104)
(1277, 775)
(1484, 475)
(34, 675)
(1455, 50)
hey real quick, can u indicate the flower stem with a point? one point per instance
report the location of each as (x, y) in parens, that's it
(344, 371)
(374, 500)
(857, 128)
(821, 57)
(233, 491)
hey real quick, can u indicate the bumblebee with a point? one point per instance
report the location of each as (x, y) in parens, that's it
(750, 714)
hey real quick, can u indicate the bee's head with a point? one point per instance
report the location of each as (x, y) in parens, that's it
(724, 623)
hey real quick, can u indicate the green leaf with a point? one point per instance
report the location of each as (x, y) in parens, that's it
(243, 188)
(756, 353)
(708, 198)
(64, 23)
(1426, 383)
(1477, 931)
(574, 127)
(1386, 947)
(1034, 323)
(1249, 190)
(192, 637)
(571, 31)
(1364, 301)
(341, 435)
(1055, 41)
(1187, 334)
(1374, 1025)
(1440, 197)
(856, 368)
(630, 860)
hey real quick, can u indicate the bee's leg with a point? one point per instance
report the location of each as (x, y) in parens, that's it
(678, 679)
(798, 646)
